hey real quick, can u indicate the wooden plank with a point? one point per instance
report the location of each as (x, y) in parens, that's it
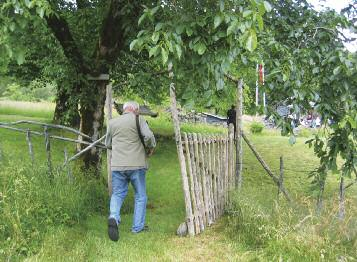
(192, 184)
(341, 200)
(101, 77)
(211, 176)
(231, 156)
(239, 143)
(226, 170)
(214, 177)
(29, 142)
(204, 179)
(185, 186)
(109, 152)
(100, 145)
(281, 175)
(208, 177)
(48, 151)
(197, 171)
(69, 173)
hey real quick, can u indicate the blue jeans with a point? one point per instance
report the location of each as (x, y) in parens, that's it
(120, 181)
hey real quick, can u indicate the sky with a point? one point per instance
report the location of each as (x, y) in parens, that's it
(337, 5)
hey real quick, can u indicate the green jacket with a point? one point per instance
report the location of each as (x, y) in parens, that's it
(128, 152)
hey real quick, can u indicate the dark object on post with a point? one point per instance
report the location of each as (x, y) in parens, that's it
(143, 110)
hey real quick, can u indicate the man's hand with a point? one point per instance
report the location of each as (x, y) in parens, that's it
(151, 151)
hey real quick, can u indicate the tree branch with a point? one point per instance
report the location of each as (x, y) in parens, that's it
(60, 29)
(111, 39)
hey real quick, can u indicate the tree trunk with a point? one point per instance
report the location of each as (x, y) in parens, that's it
(66, 111)
(92, 118)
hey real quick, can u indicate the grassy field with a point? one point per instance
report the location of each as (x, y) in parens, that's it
(257, 227)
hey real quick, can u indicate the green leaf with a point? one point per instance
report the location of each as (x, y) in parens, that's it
(260, 22)
(315, 70)
(28, 3)
(251, 43)
(164, 56)
(267, 6)
(155, 9)
(40, 11)
(12, 27)
(180, 29)
(247, 13)
(153, 51)
(141, 19)
(189, 31)
(201, 48)
(337, 70)
(352, 122)
(132, 44)
(20, 56)
(217, 21)
(178, 51)
(155, 37)
(232, 27)
(158, 26)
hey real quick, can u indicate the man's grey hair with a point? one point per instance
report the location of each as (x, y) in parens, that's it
(131, 104)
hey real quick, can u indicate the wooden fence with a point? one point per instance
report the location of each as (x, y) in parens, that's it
(209, 162)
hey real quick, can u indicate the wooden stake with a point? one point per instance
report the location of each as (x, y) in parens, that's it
(215, 172)
(341, 206)
(28, 139)
(211, 177)
(239, 144)
(197, 169)
(109, 152)
(192, 185)
(281, 176)
(48, 151)
(204, 180)
(231, 156)
(266, 167)
(186, 190)
(226, 169)
(69, 173)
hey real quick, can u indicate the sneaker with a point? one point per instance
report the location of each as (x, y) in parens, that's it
(146, 228)
(113, 232)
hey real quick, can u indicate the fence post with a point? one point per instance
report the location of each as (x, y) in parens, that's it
(69, 173)
(109, 152)
(239, 144)
(28, 139)
(48, 151)
(281, 175)
(341, 206)
(192, 185)
(189, 217)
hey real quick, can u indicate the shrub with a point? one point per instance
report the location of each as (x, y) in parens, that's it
(31, 203)
(256, 127)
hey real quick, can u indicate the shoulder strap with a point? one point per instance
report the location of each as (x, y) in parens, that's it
(139, 131)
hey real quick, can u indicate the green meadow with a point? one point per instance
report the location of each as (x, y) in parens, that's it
(63, 220)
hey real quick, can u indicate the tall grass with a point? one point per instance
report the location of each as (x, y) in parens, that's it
(31, 204)
(286, 233)
(29, 109)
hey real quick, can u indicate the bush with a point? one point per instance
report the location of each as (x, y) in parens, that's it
(31, 203)
(256, 127)
(38, 90)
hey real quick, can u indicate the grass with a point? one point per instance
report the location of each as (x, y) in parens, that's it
(255, 229)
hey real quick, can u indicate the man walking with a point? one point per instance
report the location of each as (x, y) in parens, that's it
(128, 135)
